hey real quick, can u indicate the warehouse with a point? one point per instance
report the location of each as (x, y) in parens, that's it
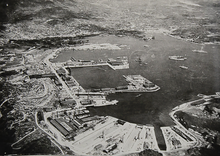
(121, 87)
(114, 62)
(87, 119)
(78, 122)
(59, 127)
(86, 102)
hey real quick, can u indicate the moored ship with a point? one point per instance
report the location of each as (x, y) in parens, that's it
(178, 58)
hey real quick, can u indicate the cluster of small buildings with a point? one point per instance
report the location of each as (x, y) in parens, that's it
(110, 89)
(175, 138)
(68, 103)
(119, 63)
(74, 62)
(139, 83)
(114, 136)
(114, 62)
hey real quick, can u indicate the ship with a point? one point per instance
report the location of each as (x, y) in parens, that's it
(200, 51)
(179, 58)
(183, 67)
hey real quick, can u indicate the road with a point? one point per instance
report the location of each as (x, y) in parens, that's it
(23, 138)
(4, 102)
(198, 143)
(72, 95)
(52, 137)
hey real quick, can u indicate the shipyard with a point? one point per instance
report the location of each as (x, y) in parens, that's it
(110, 78)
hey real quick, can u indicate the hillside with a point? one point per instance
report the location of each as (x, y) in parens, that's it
(196, 20)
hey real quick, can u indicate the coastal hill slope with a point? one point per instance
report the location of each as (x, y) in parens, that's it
(196, 20)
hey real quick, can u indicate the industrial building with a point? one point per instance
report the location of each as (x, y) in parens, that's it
(114, 62)
(68, 103)
(78, 122)
(59, 127)
(61, 71)
(110, 148)
(148, 85)
(87, 119)
(50, 75)
(57, 82)
(86, 102)
(95, 90)
(121, 87)
(121, 122)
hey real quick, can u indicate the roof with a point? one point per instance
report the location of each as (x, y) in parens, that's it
(59, 127)
(60, 71)
(111, 59)
(68, 102)
(116, 63)
(86, 102)
(87, 119)
(68, 128)
(77, 122)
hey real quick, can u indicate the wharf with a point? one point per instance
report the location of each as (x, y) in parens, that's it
(88, 65)
(76, 65)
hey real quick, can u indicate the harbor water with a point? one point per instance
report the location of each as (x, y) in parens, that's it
(177, 85)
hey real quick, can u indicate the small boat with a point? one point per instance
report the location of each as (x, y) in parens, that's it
(183, 67)
(138, 95)
(200, 51)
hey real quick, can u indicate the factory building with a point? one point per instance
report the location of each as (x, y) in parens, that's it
(110, 148)
(121, 122)
(61, 126)
(61, 71)
(86, 102)
(68, 103)
(78, 122)
(96, 90)
(50, 75)
(114, 62)
(87, 119)
(149, 85)
(121, 88)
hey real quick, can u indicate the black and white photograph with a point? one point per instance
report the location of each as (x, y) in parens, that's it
(110, 77)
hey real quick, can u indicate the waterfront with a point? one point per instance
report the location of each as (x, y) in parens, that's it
(177, 85)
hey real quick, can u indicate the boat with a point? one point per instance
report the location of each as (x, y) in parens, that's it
(200, 51)
(183, 67)
(179, 58)
(138, 95)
